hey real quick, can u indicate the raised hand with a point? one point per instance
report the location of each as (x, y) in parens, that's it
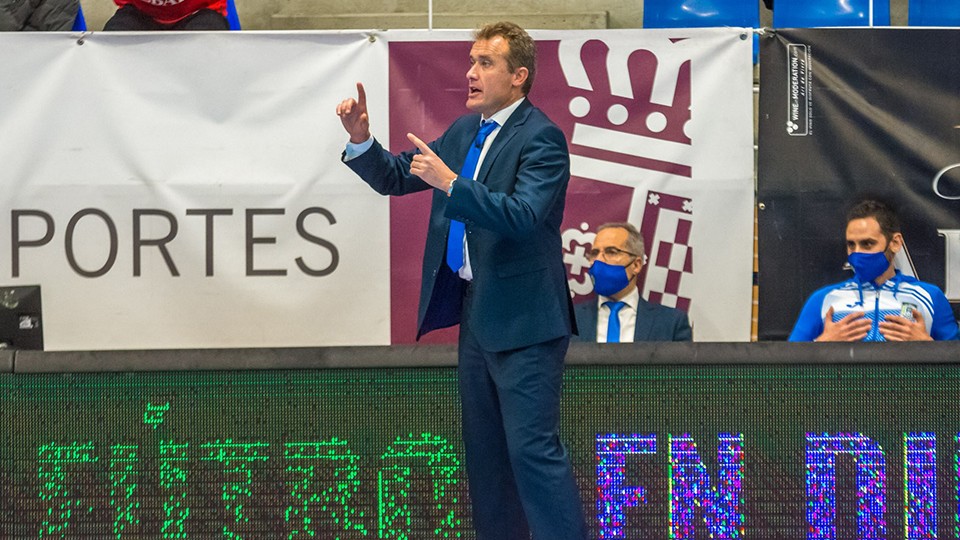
(428, 166)
(853, 327)
(353, 115)
(897, 328)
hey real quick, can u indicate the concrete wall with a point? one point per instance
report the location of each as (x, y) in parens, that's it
(384, 14)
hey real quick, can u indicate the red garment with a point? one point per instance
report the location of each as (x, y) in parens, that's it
(172, 11)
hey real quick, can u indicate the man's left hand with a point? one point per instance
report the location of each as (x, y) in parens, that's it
(897, 328)
(428, 166)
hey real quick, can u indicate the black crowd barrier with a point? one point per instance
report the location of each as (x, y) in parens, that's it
(667, 353)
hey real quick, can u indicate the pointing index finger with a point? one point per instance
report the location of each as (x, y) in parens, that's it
(420, 144)
(361, 95)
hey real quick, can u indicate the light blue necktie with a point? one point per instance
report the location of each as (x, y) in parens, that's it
(469, 169)
(613, 323)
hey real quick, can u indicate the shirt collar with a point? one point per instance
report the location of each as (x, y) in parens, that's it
(632, 299)
(501, 116)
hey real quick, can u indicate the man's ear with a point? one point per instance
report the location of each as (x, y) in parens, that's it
(520, 76)
(896, 243)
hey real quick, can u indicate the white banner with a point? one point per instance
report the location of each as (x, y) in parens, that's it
(181, 191)
(184, 190)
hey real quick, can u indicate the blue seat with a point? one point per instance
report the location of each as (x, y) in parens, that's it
(79, 24)
(703, 13)
(813, 13)
(232, 18)
(700, 13)
(934, 13)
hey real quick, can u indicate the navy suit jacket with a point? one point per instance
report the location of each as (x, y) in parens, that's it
(654, 323)
(512, 214)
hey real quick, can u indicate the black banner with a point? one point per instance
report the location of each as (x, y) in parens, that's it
(846, 114)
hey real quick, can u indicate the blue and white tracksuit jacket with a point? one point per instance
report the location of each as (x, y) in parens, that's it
(896, 296)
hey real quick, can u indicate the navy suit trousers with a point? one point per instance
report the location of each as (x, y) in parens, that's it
(520, 476)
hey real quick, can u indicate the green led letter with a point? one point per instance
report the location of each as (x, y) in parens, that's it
(329, 465)
(123, 485)
(394, 484)
(173, 480)
(53, 461)
(236, 459)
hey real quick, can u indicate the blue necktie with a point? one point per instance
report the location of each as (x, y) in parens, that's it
(469, 169)
(613, 323)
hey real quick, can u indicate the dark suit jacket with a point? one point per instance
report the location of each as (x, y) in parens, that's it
(654, 323)
(512, 213)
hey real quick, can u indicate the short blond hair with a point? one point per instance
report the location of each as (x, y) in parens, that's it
(523, 50)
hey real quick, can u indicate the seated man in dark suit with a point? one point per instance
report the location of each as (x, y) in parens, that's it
(620, 315)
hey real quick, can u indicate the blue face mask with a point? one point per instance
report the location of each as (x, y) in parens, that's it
(608, 279)
(868, 266)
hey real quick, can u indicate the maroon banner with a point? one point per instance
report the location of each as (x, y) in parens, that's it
(428, 91)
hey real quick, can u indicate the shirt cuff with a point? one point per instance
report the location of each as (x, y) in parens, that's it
(355, 150)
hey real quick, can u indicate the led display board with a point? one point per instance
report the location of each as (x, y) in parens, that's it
(712, 450)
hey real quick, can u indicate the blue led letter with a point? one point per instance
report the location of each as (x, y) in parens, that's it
(822, 451)
(690, 488)
(920, 485)
(613, 498)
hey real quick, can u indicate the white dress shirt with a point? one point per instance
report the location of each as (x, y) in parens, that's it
(628, 316)
(500, 117)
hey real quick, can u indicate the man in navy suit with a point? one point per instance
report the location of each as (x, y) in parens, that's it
(620, 315)
(493, 263)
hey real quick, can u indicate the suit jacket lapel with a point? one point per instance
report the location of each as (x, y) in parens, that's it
(507, 132)
(588, 319)
(644, 324)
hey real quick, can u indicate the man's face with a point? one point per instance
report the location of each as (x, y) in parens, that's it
(610, 246)
(864, 236)
(490, 85)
